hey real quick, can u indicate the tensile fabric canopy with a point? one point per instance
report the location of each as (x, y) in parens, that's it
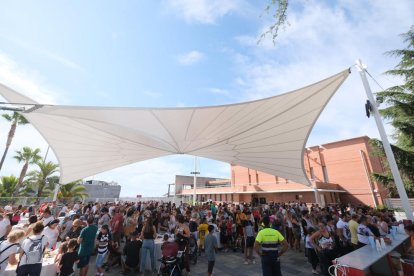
(268, 135)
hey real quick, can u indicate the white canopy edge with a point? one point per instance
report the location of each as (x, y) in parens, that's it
(268, 135)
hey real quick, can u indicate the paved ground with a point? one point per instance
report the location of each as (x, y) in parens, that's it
(230, 263)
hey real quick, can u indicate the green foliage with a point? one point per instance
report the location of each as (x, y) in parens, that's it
(278, 8)
(16, 117)
(400, 112)
(7, 186)
(405, 163)
(72, 191)
(43, 178)
(26, 156)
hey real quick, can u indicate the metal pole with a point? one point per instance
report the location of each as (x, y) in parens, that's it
(57, 186)
(387, 147)
(195, 172)
(47, 151)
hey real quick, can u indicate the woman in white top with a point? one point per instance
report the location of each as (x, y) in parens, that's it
(8, 249)
(172, 224)
(51, 232)
(382, 226)
(323, 243)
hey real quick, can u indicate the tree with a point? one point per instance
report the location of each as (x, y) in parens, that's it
(8, 185)
(72, 191)
(27, 156)
(405, 162)
(400, 112)
(279, 13)
(15, 119)
(40, 179)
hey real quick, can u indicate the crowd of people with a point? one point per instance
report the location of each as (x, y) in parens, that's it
(124, 233)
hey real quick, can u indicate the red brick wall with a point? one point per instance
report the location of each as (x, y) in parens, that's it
(344, 167)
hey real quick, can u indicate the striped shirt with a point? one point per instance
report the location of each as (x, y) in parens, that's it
(104, 240)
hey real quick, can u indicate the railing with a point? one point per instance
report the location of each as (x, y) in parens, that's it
(189, 187)
(396, 203)
(25, 201)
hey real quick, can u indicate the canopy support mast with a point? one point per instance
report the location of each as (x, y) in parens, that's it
(386, 144)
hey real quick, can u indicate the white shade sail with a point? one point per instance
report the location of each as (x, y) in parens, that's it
(268, 135)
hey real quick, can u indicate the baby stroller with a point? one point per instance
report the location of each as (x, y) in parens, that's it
(192, 249)
(171, 266)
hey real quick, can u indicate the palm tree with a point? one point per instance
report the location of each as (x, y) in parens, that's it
(15, 119)
(39, 179)
(28, 156)
(8, 184)
(72, 191)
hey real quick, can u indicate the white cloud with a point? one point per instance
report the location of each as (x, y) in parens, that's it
(190, 58)
(320, 41)
(31, 84)
(147, 178)
(219, 91)
(64, 61)
(61, 60)
(25, 81)
(152, 94)
(202, 11)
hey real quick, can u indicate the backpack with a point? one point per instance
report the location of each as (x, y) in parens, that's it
(35, 253)
(193, 226)
(1, 252)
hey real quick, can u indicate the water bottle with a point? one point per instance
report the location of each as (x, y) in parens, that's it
(378, 245)
(382, 243)
(371, 242)
(393, 232)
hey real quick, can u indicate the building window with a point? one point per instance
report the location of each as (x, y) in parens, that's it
(250, 178)
(325, 174)
(232, 200)
(257, 178)
(221, 197)
(312, 174)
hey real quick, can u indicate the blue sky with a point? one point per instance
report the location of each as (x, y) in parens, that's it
(192, 53)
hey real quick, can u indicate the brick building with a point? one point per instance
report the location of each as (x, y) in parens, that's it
(339, 172)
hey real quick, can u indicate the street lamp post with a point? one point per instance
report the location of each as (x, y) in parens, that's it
(195, 172)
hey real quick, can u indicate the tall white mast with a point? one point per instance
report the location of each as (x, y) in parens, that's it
(387, 147)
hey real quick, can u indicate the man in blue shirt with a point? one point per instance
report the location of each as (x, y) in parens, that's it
(210, 245)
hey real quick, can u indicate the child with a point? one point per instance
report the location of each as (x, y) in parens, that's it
(223, 233)
(62, 250)
(202, 232)
(210, 244)
(103, 239)
(310, 251)
(69, 259)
